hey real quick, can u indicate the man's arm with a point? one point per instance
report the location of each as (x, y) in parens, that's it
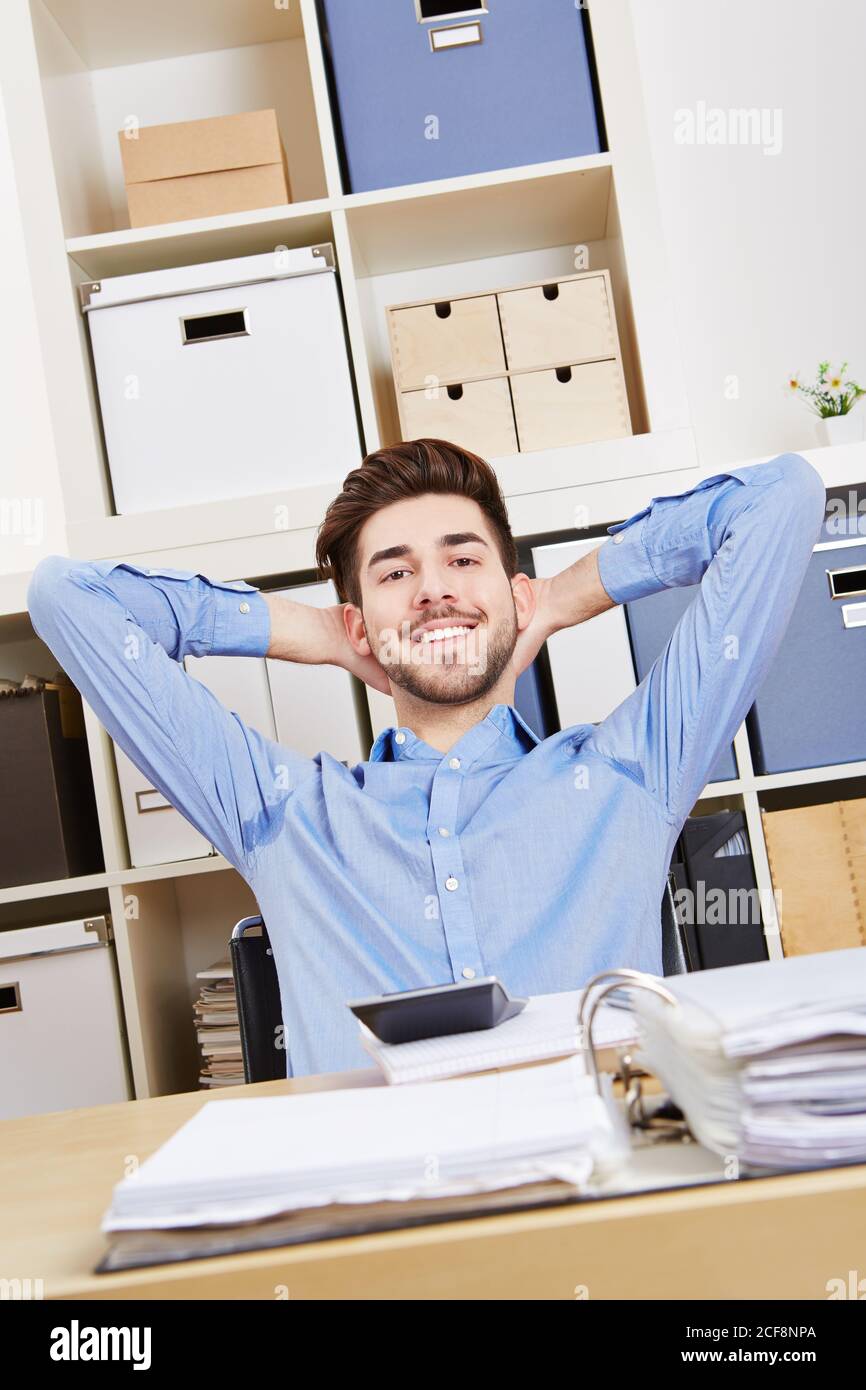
(120, 633)
(746, 536)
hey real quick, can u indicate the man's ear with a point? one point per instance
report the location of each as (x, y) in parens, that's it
(353, 620)
(524, 600)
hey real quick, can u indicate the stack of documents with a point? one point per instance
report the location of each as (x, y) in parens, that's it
(245, 1160)
(767, 1061)
(217, 1027)
(546, 1028)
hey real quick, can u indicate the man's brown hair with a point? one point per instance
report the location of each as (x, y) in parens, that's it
(390, 475)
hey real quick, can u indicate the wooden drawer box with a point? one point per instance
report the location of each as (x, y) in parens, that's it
(477, 414)
(451, 340)
(529, 367)
(566, 321)
(570, 405)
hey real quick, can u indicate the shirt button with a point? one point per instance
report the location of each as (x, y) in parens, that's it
(455, 763)
(451, 884)
(468, 973)
(443, 831)
(399, 738)
(618, 537)
(244, 607)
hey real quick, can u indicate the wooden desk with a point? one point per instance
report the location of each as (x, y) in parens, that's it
(774, 1237)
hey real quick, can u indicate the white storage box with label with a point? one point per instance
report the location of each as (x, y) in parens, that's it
(318, 708)
(156, 832)
(223, 380)
(61, 1040)
(591, 664)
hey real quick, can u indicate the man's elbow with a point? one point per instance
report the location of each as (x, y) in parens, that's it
(44, 587)
(804, 488)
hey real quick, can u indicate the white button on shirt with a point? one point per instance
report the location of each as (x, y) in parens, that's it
(244, 607)
(455, 763)
(468, 973)
(443, 832)
(451, 884)
(400, 738)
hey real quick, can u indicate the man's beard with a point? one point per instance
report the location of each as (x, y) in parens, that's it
(452, 680)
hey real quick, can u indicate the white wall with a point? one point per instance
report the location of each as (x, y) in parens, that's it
(765, 250)
(31, 508)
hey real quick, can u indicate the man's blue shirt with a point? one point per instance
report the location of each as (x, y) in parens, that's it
(541, 862)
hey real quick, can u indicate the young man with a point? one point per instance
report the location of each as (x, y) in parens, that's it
(464, 846)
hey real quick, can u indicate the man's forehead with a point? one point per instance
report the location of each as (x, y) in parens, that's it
(420, 521)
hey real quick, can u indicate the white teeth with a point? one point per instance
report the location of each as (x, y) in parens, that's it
(440, 633)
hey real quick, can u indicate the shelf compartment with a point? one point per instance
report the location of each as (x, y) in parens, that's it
(104, 66)
(166, 930)
(535, 226)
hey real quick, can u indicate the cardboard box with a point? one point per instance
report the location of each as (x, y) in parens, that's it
(203, 168)
(817, 858)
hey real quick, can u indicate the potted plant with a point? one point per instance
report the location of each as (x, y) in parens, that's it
(832, 398)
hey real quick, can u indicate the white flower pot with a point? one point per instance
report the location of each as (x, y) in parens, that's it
(841, 429)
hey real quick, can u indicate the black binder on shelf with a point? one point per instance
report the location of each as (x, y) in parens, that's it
(721, 888)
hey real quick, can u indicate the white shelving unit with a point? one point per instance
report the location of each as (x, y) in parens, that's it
(72, 73)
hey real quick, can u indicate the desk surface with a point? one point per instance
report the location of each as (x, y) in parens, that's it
(774, 1237)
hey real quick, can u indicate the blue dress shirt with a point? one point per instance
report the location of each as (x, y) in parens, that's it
(541, 862)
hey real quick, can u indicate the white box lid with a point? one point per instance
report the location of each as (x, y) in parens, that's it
(280, 264)
(54, 936)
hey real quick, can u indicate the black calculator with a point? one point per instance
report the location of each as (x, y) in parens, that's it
(436, 1010)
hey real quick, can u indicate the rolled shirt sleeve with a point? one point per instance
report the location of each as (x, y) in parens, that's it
(746, 537)
(121, 633)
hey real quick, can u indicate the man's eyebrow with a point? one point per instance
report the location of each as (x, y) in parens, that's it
(399, 552)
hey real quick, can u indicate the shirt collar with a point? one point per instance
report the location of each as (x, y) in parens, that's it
(501, 732)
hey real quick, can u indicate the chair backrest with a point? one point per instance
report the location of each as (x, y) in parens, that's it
(260, 1014)
(676, 953)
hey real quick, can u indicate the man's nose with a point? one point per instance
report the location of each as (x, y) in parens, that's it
(435, 586)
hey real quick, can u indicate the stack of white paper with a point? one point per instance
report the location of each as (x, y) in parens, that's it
(546, 1028)
(768, 1060)
(244, 1160)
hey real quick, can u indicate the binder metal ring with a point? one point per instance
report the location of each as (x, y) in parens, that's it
(637, 979)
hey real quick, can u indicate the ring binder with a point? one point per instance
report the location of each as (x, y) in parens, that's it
(674, 1125)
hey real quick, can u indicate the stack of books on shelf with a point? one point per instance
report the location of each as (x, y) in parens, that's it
(218, 1028)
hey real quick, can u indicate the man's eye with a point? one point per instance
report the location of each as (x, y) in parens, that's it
(456, 561)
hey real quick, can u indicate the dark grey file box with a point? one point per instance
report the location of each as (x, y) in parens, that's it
(811, 709)
(651, 620)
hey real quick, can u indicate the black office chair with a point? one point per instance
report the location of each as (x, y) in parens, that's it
(677, 955)
(257, 987)
(259, 1009)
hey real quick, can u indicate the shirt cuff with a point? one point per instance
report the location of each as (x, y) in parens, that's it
(623, 563)
(242, 621)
